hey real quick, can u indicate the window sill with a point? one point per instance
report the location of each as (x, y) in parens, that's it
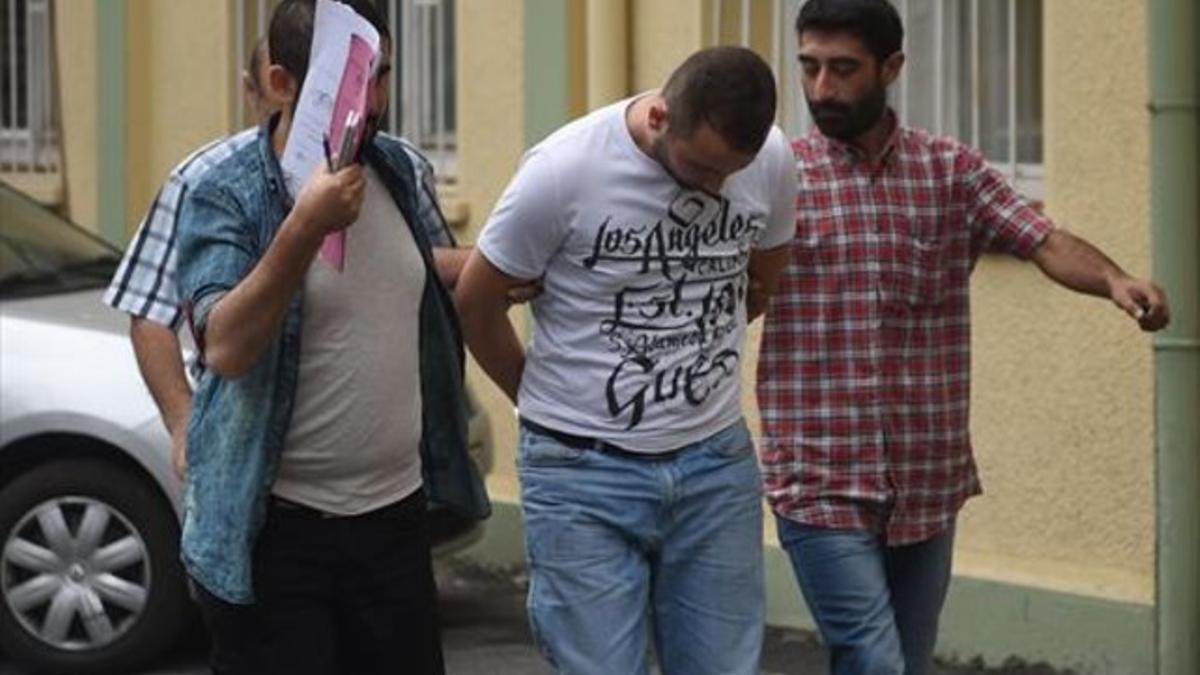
(1027, 179)
(45, 188)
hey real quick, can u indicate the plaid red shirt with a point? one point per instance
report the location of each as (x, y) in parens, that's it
(864, 373)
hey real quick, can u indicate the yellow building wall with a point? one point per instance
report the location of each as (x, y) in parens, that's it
(1063, 387)
(180, 85)
(663, 34)
(491, 139)
(75, 43)
(178, 89)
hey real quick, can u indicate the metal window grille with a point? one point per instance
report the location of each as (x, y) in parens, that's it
(974, 71)
(29, 139)
(422, 104)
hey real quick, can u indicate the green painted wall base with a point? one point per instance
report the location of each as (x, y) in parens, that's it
(546, 77)
(111, 120)
(986, 620)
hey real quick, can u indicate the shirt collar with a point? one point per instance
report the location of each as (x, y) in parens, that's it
(266, 151)
(851, 154)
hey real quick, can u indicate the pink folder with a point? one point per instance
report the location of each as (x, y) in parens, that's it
(351, 98)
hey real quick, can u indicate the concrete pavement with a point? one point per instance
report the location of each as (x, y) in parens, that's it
(485, 633)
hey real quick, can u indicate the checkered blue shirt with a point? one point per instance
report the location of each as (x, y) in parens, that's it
(144, 285)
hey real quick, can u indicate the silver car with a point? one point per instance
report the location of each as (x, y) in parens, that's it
(89, 506)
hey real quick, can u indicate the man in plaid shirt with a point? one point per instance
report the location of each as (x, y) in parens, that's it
(864, 377)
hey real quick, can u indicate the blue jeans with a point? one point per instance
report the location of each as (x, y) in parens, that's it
(621, 548)
(877, 606)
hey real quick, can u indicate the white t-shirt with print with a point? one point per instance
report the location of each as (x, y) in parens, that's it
(638, 335)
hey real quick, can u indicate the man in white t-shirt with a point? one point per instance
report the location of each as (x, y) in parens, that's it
(658, 224)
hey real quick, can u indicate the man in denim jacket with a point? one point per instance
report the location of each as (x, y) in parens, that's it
(327, 415)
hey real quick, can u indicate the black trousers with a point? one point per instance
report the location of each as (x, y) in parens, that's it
(336, 595)
(235, 640)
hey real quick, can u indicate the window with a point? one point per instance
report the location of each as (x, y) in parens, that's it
(422, 107)
(28, 130)
(423, 100)
(974, 71)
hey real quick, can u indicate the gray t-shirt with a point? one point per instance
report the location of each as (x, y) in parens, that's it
(639, 332)
(354, 440)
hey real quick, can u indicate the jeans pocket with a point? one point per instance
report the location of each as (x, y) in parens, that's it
(732, 442)
(540, 450)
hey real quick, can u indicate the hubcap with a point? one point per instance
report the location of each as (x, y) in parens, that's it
(75, 573)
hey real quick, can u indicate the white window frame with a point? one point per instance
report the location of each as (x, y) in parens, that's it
(793, 115)
(424, 80)
(30, 145)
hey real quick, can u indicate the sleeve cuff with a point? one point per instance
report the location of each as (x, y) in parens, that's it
(506, 266)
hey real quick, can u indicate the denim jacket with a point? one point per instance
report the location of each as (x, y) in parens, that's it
(238, 425)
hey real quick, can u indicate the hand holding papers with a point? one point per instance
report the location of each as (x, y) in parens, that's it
(332, 104)
(333, 249)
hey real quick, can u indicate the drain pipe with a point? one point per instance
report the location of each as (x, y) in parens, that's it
(1175, 219)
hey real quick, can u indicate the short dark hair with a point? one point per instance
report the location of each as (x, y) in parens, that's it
(875, 22)
(289, 37)
(731, 89)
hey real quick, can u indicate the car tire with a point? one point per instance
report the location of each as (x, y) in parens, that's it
(91, 540)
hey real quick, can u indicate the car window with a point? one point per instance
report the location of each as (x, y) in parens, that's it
(42, 252)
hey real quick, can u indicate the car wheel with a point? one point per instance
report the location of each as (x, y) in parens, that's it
(89, 569)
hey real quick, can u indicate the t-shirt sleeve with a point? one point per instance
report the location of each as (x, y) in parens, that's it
(144, 284)
(781, 222)
(528, 224)
(1001, 220)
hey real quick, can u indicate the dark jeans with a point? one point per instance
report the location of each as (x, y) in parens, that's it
(347, 594)
(234, 637)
